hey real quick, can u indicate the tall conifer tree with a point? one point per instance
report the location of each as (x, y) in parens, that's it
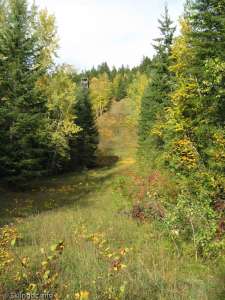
(22, 109)
(84, 145)
(156, 97)
(207, 21)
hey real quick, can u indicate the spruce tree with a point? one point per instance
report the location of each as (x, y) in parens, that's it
(22, 107)
(207, 18)
(113, 72)
(156, 97)
(84, 145)
(120, 86)
(207, 38)
(145, 66)
(104, 68)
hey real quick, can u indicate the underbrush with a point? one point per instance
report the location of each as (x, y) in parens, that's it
(181, 207)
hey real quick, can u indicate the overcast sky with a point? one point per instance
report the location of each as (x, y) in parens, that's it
(116, 31)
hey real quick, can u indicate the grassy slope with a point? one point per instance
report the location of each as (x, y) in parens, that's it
(87, 202)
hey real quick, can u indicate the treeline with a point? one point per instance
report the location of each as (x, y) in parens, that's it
(181, 123)
(46, 119)
(107, 85)
(115, 84)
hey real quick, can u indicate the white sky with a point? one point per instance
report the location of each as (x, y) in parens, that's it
(116, 31)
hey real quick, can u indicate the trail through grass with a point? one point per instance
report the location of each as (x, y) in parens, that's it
(107, 253)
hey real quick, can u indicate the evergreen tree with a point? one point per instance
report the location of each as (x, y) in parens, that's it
(104, 68)
(90, 73)
(113, 72)
(156, 97)
(163, 43)
(207, 19)
(200, 90)
(193, 131)
(84, 145)
(145, 66)
(120, 86)
(22, 106)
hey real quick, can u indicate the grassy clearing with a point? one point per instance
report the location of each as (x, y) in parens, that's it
(107, 253)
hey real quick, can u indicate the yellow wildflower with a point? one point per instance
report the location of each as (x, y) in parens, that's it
(82, 295)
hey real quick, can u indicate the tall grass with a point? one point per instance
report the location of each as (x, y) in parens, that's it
(107, 254)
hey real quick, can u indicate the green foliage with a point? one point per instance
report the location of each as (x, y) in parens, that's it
(104, 69)
(156, 96)
(145, 66)
(59, 90)
(23, 110)
(120, 86)
(84, 145)
(182, 123)
(37, 99)
(163, 43)
(207, 22)
(193, 133)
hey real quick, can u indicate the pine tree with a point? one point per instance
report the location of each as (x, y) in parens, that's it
(23, 108)
(84, 145)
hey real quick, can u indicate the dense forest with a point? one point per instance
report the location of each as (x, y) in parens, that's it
(53, 125)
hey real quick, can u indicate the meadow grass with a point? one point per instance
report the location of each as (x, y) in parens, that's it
(107, 253)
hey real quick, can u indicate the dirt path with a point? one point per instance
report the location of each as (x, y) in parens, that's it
(117, 136)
